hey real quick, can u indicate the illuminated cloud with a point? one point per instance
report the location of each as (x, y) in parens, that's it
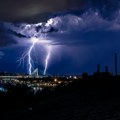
(88, 28)
(70, 29)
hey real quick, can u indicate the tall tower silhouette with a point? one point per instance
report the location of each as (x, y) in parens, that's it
(35, 73)
(98, 68)
(106, 69)
(116, 72)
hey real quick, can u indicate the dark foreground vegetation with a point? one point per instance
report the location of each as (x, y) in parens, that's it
(87, 99)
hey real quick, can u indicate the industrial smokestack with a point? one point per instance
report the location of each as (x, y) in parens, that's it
(106, 69)
(116, 64)
(98, 68)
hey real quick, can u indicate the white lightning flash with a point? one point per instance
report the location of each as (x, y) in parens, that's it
(28, 54)
(36, 33)
(47, 59)
(30, 59)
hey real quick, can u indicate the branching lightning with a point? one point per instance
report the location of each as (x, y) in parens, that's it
(29, 58)
(37, 35)
(28, 54)
(47, 59)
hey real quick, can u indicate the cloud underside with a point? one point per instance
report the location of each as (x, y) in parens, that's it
(41, 10)
(88, 28)
(78, 21)
(37, 10)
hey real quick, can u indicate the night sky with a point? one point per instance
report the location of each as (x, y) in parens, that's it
(82, 33)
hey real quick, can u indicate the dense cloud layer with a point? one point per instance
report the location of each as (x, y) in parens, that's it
(71, 20)
(89, 28)
(41, 10)
(29, 10)
(70, 29)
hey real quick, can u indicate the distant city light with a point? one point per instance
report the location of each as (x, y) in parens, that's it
(75, 77)
(3, 89)
(55, 80)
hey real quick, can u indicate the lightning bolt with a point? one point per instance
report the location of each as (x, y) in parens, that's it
(38, 35)
(30, 58)
(47, 59)
(28, 54)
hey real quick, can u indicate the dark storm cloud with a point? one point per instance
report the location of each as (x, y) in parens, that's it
(16, 34)
(107, 8)
(6, 37)
(7, 40)
(71, 29)
(39, 10)
(22, 10)
(67, 28)
(89, 28)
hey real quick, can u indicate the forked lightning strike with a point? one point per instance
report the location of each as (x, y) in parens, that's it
(29, 58)
(28, 54)
(29, 30)
(47, 59)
